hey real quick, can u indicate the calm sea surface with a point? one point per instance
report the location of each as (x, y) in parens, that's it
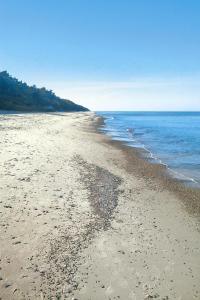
(170, 138)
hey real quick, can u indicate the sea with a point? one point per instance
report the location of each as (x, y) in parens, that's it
(169, 138)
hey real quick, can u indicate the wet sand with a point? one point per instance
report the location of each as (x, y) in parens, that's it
(83, 217)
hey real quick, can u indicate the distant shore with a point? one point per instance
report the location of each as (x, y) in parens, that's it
(85, 217)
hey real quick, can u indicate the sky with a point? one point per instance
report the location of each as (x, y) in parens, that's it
(106, 54)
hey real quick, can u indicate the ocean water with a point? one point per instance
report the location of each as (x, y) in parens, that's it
(170, 138)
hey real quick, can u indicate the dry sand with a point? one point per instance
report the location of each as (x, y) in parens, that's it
(84, 218)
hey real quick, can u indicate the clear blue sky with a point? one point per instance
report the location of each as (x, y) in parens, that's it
(107, 55)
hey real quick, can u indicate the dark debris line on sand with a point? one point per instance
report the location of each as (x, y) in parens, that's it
(65, 253)
(103, 189)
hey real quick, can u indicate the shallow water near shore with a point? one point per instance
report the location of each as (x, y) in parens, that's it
(169, 138)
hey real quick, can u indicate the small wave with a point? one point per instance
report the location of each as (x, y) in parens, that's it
(178, 175)
(181, 176)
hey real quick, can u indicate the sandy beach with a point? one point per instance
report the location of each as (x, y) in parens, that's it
(83, 217)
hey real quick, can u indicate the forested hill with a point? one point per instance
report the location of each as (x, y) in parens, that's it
(18, 96)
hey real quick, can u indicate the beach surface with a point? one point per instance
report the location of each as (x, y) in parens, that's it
(82, 217)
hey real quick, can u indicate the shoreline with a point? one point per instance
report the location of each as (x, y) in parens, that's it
(83, 217)
(155, 147)
(189, 195)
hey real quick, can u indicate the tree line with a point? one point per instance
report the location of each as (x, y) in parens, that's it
(16, 95)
